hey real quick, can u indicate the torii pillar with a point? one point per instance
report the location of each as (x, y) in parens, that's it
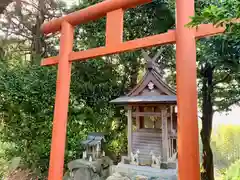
(188, 147)
(188, 140)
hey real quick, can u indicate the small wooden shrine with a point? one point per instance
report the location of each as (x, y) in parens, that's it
(93, 146)
(152, 117)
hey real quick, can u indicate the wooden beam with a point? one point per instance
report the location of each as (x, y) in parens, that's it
(208, 30)
(150, 105)
(188, 140)
(146, 114)
(114, 28)
(129, 126)
(150, 41)
(61, 104)
(171, 112)
(137, 118)
(164, 135)
(90, 13)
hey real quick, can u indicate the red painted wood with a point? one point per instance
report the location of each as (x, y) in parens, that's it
(188, 140)
(186, 73)
(114, 28)
(91, 13)
(61, 104)
(150, 41)
(208, 30)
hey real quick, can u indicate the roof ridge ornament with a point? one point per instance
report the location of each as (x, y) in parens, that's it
(151, 62)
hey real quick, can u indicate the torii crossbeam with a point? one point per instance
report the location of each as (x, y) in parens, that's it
(185, 39)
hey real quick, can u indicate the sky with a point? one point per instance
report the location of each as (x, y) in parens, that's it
(232, 117)
(71, 2)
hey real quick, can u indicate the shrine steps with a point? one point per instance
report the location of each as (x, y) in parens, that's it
(146, 142)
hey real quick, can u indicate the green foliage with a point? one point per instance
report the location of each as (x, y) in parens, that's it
(226, 146)
(27, 92)
(233, 173)
(27, 96)
(3, 161)
(218, 67)
(220, 13)
(156, 17)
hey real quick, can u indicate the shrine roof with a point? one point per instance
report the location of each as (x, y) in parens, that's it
(151, 88)
(93, 139)
(162, 99)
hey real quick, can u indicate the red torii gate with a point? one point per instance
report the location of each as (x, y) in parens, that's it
(188, 147)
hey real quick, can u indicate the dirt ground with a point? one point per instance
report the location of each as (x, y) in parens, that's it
(21, 175)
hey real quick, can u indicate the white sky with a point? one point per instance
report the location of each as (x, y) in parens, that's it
(232, 117)
(71, 2)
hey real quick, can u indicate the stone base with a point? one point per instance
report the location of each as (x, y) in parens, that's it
(134, 172)
(155, 166)
(172, 165)
(125, 160)
(164, 165)
(81, 169)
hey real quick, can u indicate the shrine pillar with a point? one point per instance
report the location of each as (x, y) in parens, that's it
(129, 134)
(138, 123)
(188, 140)
(164, 135)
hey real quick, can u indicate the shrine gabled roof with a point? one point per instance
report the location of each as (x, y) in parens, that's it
(151, 89)
(93, 139)
(163, 99)
(152, 75)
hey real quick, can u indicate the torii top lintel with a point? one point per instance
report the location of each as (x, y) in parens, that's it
(91, 13)
(114, 10)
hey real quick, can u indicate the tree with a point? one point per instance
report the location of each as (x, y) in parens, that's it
(233, 173)
(27, 98)
(28, 91)
(4, 4)
(22, 22)
(219, 64)
(226, 146)
(156, 17)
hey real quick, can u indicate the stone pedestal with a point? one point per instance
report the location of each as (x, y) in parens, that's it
(147, 172)
(84, 170)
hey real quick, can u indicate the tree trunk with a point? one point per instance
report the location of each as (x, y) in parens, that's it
(38, 42)
(207, 117)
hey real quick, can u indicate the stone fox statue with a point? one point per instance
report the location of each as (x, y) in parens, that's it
(135, 157)
(156, 161)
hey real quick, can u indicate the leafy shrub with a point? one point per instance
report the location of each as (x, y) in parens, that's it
(27, 96)
(226, 146)
(233, 172)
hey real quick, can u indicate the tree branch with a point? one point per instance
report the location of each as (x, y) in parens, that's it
(4, 4)
(227, 105)
(221, 80)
